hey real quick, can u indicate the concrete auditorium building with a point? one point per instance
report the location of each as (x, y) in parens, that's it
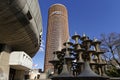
(20, 37)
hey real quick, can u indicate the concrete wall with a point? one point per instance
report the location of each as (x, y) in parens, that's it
(20, 59)
(4, 62)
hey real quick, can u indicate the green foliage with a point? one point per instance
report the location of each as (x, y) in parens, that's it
(113, 72)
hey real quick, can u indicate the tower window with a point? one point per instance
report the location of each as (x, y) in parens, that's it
(29, 16)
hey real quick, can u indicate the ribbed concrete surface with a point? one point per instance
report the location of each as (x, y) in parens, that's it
(18, 29)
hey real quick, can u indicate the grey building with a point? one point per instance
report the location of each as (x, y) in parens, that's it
(20, 30)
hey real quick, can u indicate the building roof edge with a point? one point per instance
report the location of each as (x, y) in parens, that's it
(58, 4)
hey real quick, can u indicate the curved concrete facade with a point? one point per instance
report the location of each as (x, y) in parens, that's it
(57, 33)
(21, 25)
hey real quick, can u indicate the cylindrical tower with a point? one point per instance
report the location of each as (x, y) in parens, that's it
(57, 32)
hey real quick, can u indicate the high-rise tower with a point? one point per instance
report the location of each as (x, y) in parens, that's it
(57, 32)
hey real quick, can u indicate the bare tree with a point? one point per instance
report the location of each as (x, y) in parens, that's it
(109, 44)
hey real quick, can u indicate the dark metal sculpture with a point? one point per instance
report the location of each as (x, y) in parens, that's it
(80, 60)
